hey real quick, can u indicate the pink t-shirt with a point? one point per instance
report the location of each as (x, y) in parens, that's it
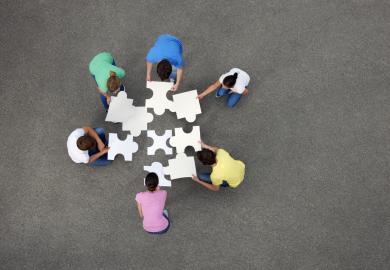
(153, 204)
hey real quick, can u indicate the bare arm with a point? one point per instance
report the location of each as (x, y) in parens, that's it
(91, 132)
(96, 156)
(140, 210)
(179, 79)
(209, 147)
(149, 67)
(210, 89)
(206, 185)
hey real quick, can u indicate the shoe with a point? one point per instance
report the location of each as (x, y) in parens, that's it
(165, 211)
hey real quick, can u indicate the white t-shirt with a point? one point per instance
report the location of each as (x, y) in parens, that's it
(77, 155)
(241, 82)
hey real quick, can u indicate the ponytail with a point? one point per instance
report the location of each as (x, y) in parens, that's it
(230, 81)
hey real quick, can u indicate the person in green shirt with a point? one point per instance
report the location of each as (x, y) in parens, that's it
(107, 76)
(226, 171)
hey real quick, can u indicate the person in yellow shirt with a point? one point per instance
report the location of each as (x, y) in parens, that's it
(226, 171)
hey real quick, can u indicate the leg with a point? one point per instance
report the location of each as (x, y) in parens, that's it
(222, 92)
(104, 101)
(102, 161)
(233, 99)
(205, 177)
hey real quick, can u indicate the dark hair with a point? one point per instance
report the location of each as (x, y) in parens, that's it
(151, 181)
(113, 82)
(164, 69)
(86, 142)
(230, 80)
(206, 156)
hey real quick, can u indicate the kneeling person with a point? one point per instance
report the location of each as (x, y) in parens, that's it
(89, 146)
(226, 171)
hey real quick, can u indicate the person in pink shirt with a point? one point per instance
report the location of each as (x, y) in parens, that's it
(151, 205)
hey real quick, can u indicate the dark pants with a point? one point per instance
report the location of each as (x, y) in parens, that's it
(165, 230)
(102, 161)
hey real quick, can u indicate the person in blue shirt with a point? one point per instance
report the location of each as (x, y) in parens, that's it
(167, 52)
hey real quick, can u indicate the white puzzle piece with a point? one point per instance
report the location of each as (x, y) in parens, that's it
(121, 108)
(159, 101)
(159, 142)
(180, 167)
(126, 147)
(138, 121)
(186, 105)
(181, 139)
(158, 168)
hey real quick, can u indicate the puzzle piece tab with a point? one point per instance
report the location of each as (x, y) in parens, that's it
(158, 168)
(186, 105)
(182, 139)
(159, 101)
(159, 142)
(121, 108)
(180, 167)
(138, 121)
(126, 147)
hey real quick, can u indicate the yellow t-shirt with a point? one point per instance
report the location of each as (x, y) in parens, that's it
(228, 169)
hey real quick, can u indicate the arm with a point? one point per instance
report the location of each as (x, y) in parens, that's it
(210, 89)
(209, 147)
(206, 185)
(96, 156)
(149, 67)
(179, 79)
(91, 132)
(246, 92)
(139, 210)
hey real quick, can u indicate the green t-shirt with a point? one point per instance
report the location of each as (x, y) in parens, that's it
(100, 67)
(227, 169)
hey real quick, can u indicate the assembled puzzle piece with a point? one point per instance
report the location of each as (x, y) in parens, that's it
(186, 105)
(159, 142)
(159, 101)
(180, 167)
(158, 168)
(126, 147)
(138, 121)
(121, 108)
(182, 139)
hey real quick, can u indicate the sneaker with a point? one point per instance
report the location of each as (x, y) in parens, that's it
(165, 211)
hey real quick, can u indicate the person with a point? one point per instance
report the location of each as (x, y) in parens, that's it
(167, 52)
(226, 171)
(151, 205)
(89, 146)
(107, 76)
(232, 84)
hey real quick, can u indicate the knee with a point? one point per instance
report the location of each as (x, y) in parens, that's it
(99, 130)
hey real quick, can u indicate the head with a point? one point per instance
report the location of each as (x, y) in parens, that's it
(86, 142)
(206, 156)
(113, 83)
(151, 181)
(164, 69)
(230, 81)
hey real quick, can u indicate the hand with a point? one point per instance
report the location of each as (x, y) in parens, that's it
(105, 150)
(201, 144)
(195, 178)
(200, 97)
(108, 98)
(148, 78)
(101, 146)
(246, 92)
(174, 87)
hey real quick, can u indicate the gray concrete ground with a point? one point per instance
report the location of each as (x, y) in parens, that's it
(314, 133)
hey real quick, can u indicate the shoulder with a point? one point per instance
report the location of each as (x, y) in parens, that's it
(75, 134)
(139, 196)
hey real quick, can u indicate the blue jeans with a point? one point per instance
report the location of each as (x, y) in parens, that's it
(233, 98)
(205, 177)
(165, 230)
(102, 97)
(102, 161)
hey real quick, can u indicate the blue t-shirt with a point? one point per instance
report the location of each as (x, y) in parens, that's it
(167, 47)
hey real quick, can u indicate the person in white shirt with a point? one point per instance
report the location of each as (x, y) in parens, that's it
(233, 84)
(89, 146)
